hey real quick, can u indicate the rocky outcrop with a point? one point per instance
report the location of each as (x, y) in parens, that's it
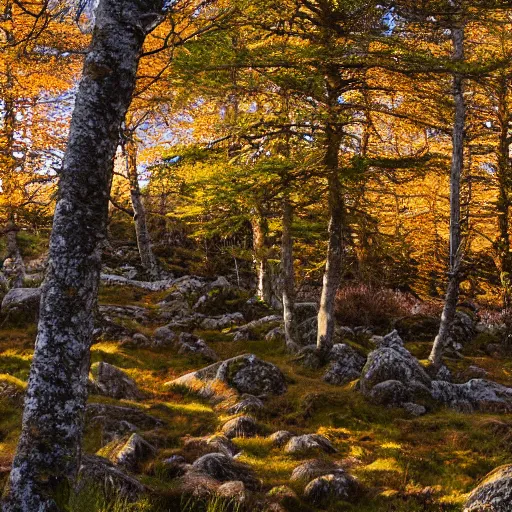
(339, 486)
(129, 452)
(244, 374)
(191, 344)
(493, 493)
(21, 305)
(308, 443)
(103, 475)
(224, 469)
(346, 365)
(110, 381)
(475, 395)
(241, 426)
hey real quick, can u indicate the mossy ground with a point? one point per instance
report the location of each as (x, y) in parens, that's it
(406, 464)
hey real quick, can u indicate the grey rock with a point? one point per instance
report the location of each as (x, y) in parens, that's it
(307, 443)
(390, 393)
(113, 382)
(346, 365)
(275, 335)
(241, 336)
(475, 395)
(224, 469)
(333, 487)
(21, 304)
(312, 469)
(261, 325)
(222, 444)
(493, 493)
(129, 453)
(310, 357)
(163, 337)
(218, 323)
(414, 409)
(247, 404)
(280, 438)
(100, 473)
(191, 344)
(241, 426)
(233, 491)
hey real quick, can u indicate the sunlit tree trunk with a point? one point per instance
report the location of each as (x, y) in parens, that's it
(259, 232)
(147, 256)
(288, 273)
(452, 293)
(333, 266)
(47, 457)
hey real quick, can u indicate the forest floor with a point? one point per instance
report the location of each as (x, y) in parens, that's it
(405, 463)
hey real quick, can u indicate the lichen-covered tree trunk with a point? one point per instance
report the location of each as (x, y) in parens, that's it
(452, 293)
(147, 256)
(288, 274)
(259, 233)
(13, 252)
(333, 266)
(47, 457)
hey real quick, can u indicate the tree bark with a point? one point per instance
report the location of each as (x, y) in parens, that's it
(452, 293)
(333, 266)
(290, 326)
(259, 232)
(47, 457)
(147, 256)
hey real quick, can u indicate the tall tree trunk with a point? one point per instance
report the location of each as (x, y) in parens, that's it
(259, 232)
(503, 203)
(47, 457)
(452, 293)
(147, 257)
(13, 252)
(290, 326)
(333, 266)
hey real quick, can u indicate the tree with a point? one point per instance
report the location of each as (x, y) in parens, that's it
(47, 457)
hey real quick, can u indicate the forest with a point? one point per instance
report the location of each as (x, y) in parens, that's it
(255, 255)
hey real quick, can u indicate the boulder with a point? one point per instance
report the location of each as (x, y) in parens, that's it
(222, 444)
(247, 404)
(312, 469)
(12, 391)
(21, 305)
(224, 469)
(110, 381)
(390, 393)
(308, 443)
(346, 364)
(475, 395)
(191, 344)
(414, 409)
(101, 474)
(275, 335)
(245, 374)
(339, 486)
(129, 452)
(257, 327)
(493, 493)
(391, 361)
(234, 492)
(164, 337)
(218, 323)
(113, 422)
(241, 426)
(280, 438)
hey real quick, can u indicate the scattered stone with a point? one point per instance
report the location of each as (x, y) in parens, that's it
(346, 365)
(218, 323)
(310, 357)
(275, 335)
(390, 393)
(241, 426)
(175, 466)
(101, 474)
(225, 469)
(333, 487)
(257, 327)
(312, 469)
(249, 403)
(280, 438)
(129, 453)
(113, 382)
(475, 395)
(414, 409)
(191, 344)
(241, 336)
(164, 337)
(308, 442)
(493, 493)
(233, 491)
(245, 374)
(12, 392)
(21, 305)
(222, 444)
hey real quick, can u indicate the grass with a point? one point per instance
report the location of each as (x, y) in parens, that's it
(395, 457)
